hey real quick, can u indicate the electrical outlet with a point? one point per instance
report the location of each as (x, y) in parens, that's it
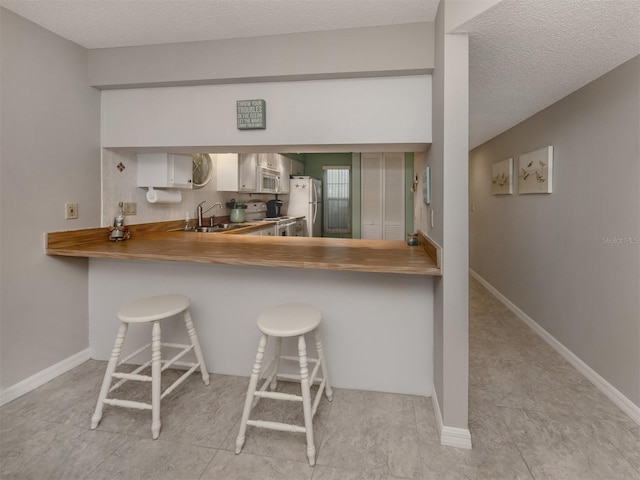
(70, 211)
(129, 208)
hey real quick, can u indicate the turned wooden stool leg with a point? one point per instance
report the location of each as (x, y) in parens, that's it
(276, 360)
(196, 346)
(150, 310)
(294, 321)
(323, 366)
(156, 368)
(306, 400)
(253, 382)
(106, 381)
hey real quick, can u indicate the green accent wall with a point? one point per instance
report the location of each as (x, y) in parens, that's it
(313, 162)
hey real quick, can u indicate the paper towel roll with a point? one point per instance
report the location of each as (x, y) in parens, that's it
(164, 196)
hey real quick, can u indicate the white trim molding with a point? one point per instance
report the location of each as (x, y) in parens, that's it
(44, 376)
(626, 405)
(449, 436)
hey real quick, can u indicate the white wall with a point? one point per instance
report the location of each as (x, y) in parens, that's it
(556, 256)
(121, 186)
(392, 110)
(49, 156)
(376, 328)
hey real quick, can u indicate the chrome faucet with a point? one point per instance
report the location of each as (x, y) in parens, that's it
(200, 211)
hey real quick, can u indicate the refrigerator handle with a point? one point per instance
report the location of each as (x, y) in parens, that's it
(314, 200)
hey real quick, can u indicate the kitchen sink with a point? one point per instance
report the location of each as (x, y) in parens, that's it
(218, 228)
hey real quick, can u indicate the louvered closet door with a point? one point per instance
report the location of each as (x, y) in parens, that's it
(382, 196)
(371, 201)
(393, 213)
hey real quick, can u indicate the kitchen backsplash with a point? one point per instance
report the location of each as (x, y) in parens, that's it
(119, 184)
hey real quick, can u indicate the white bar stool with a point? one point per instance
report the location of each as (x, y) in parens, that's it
(150, 309)
(282, 321)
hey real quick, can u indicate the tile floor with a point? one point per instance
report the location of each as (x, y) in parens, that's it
(532, 416)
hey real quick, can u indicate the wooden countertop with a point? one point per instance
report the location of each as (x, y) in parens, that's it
(155, 242)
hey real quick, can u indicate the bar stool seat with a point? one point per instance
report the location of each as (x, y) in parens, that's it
(289, 320)
(153, 310)
(286, 321)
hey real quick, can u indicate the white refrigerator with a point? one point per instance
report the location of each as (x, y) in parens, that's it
(305, 199)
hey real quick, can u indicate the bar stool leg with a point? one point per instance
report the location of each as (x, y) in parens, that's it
(106, 381)
(306, 400)
(323, 366)
(278, 350)
(248, 402)
(196, 346)
(156, 368)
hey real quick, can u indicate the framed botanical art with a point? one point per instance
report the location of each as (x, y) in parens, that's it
(502, 177)
(535, 171)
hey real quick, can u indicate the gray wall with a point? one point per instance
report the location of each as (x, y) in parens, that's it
(371, 51)
(448, 157)
(49, 127)
(555, 256)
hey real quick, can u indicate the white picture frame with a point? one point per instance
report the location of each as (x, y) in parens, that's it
(535, 171)
(502, 177)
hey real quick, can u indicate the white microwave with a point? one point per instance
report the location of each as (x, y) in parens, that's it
(267, 180)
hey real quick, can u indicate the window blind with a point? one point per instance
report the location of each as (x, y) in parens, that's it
(337, 200)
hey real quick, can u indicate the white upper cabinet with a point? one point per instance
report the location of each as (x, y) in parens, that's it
(164, 170)
(284, 165)
(245, 172)
(227, 172)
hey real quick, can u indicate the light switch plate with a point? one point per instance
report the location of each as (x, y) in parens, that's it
(70, 211)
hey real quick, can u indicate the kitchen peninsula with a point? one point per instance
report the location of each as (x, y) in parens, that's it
(376, 296)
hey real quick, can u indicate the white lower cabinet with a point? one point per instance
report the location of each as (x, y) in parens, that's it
(269, 230)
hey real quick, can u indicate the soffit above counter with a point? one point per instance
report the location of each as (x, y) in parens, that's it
(391, 50)
(293, 149)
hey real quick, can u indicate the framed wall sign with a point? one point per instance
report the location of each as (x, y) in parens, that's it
(251, 114)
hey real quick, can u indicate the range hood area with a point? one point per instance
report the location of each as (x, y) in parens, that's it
(256, 172)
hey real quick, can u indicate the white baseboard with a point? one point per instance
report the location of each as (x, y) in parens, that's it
(449, 436)
(626, 405)
(42, 377)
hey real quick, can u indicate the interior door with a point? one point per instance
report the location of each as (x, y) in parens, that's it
(371, 192)
(393, 201)
(382, 194)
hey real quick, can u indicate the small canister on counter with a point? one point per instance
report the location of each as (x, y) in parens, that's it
(238, 214)
(412, 239)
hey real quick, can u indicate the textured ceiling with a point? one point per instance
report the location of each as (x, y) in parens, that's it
(118, 23)
(524, 54)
